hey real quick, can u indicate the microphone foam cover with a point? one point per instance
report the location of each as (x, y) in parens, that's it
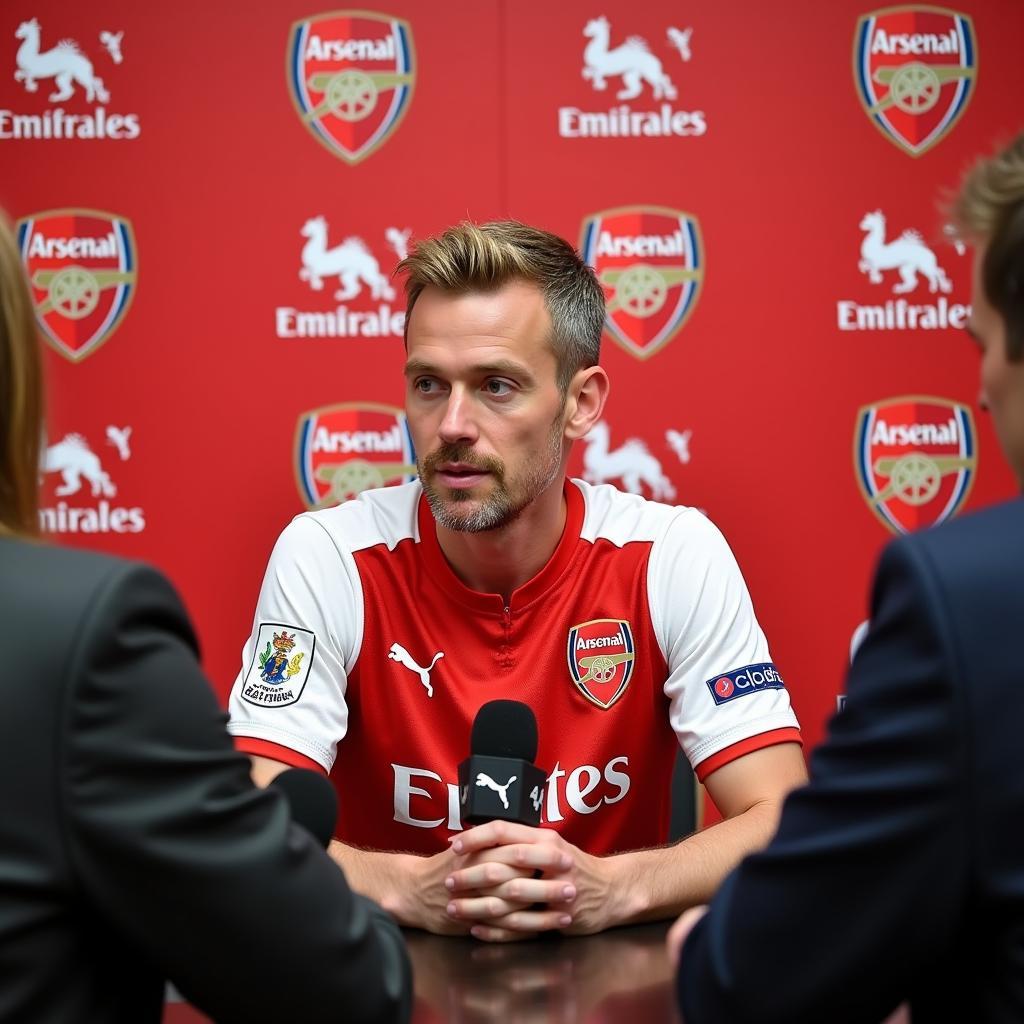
(505, 728)
(312, 801)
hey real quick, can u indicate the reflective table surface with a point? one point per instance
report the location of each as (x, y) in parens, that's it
(620, 975)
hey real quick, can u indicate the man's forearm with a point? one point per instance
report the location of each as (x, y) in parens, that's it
(749, 791)
(386, 878)
(409, 887)
(653, 884)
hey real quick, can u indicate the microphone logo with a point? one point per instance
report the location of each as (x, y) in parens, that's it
(503, 745)
(486, 781)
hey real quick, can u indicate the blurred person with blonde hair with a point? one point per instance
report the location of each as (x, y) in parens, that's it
(897, 873)
(133, 845)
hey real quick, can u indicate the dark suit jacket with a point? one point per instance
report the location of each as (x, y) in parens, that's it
(898, 872)
(133, 845)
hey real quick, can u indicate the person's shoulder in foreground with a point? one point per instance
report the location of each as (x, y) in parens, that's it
(888, 872)
(152, 852)
(898, 872)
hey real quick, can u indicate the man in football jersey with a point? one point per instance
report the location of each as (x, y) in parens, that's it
(624, 624)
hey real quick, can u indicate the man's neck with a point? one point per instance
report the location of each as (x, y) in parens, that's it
(500, 561)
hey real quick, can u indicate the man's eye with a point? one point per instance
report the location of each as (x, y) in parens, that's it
(498, 387)
(425, 385)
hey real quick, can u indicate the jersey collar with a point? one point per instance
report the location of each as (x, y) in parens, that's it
(549, 576)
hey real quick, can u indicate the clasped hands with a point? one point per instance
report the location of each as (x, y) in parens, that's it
(503, 881)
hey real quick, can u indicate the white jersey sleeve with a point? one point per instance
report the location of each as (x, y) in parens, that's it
(305, 640)
(721, 684)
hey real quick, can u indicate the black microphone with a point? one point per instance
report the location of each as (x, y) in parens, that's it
(312, 801)
(499, 781)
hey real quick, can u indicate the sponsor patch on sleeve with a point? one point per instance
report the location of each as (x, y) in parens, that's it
(280, 665)
(741, 681)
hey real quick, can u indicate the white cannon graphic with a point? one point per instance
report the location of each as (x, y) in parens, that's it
(351, 95)
(73, 291)
(641, 290)
(915, 478)
(347, 479)
(914, 87)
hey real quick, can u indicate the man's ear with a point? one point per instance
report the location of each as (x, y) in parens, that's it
(588, 391)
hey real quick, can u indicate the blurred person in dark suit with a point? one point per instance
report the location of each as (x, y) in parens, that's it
(133, 845)
(898, 872)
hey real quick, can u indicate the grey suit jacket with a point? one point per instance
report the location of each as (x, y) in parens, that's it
(133, 846)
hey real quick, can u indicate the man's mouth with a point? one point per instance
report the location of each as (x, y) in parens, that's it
(459, 474)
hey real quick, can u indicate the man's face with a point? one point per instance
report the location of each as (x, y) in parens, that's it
(483, 403)
(1002, 382)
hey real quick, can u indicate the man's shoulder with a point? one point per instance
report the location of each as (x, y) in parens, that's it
(624, 518)
(383, 515)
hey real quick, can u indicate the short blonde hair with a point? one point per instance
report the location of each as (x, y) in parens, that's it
(989, 209)
(21, 394)
(484, 257)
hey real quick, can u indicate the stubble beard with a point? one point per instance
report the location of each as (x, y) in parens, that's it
(501, 507)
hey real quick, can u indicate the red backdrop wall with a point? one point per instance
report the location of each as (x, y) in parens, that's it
(749, 291)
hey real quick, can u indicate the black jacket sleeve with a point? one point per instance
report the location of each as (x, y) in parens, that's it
(173, 844)
(866, 876)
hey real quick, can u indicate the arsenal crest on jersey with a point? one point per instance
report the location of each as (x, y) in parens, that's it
(915, 459)
(351, 76)
(650, 262)
(82, 266)
(342, 450)
(601, 654)
(915, 68)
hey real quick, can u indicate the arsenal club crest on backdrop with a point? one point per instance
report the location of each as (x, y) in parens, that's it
(650, 262)
(82, 266)
(342, 450)
(351, 75)
(601, 654)
(915, 68)
(915, 459)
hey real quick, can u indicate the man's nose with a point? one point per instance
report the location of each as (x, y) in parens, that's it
(458, 425)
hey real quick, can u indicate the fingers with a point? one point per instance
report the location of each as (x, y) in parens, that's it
(528, 857)
(483, 876)
(517, 890)
(501, 833)
(482, 908)
(520, 924)
(510, 881)
(505, 865)
(547, 905)
(680, 930)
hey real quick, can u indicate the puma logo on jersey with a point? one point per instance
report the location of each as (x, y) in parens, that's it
(486, 781)
(403, 657)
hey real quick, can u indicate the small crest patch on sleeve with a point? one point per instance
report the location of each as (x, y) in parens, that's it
(741, 681)
(280, 665)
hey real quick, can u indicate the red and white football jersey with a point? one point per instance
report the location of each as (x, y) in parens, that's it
(369, 659)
